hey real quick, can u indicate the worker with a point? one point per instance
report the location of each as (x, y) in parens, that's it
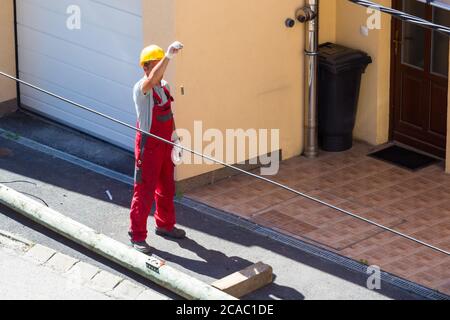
(154, 174)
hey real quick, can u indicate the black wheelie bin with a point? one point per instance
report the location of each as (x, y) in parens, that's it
(339, 82)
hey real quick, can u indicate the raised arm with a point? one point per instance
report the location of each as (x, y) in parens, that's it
(157, 74)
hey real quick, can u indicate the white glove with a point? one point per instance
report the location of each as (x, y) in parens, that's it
(173, 49)
(177, 153)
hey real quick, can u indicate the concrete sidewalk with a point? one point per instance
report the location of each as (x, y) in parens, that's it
(30, 271)
(21, 279)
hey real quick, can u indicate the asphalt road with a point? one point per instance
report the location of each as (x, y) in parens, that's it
(214, 249)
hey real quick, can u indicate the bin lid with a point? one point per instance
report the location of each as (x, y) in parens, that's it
(336, 58)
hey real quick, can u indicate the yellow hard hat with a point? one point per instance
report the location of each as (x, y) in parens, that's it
(151, 53)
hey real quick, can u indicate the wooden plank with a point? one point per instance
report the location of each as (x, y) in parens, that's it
(246, 281)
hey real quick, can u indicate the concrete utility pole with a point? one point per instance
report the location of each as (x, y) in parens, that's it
(151, 268)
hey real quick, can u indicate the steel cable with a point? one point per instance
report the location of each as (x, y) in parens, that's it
(296, 192)
(404, 16)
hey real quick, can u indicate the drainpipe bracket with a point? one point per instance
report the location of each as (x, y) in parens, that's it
(311, 53)
(305, 14)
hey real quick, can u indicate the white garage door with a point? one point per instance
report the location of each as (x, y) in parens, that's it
(95, 65)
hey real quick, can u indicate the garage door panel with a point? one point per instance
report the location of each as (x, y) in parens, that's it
(90, 126)
(86, 84)
(95, 14)
(92, 122)
(74, 111)
(131, 6)
(85, 59)
(97, 39)
(90, 103)
(96, 66)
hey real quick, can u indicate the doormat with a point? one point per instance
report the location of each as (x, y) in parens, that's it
(404, 158)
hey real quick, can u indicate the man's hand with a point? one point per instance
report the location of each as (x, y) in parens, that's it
(174, 49)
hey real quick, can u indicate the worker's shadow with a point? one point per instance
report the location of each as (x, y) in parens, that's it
(217, 265)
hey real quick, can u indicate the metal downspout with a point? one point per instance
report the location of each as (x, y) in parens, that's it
(309, 15)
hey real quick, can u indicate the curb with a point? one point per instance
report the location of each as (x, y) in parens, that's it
(16, 238)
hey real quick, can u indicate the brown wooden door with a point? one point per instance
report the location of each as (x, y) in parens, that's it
(420, 75)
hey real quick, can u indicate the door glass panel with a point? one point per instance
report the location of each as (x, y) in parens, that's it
(413, 40)
(440, 47)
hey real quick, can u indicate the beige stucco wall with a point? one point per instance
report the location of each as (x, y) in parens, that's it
(241, 68)
(327, 21)
(245, 70)
(159, 27)
(373, 111)
(7, 49)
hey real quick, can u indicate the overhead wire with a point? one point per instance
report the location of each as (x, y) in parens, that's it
(404, 16)
(277, 184)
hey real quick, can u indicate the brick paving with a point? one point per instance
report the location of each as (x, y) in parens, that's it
(415, 203)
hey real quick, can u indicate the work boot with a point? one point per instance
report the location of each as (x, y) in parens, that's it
(174, 234)
(141, 246)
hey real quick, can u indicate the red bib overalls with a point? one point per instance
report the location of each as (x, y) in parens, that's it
(154, 176)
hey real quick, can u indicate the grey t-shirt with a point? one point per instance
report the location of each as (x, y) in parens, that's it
(144, 103)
